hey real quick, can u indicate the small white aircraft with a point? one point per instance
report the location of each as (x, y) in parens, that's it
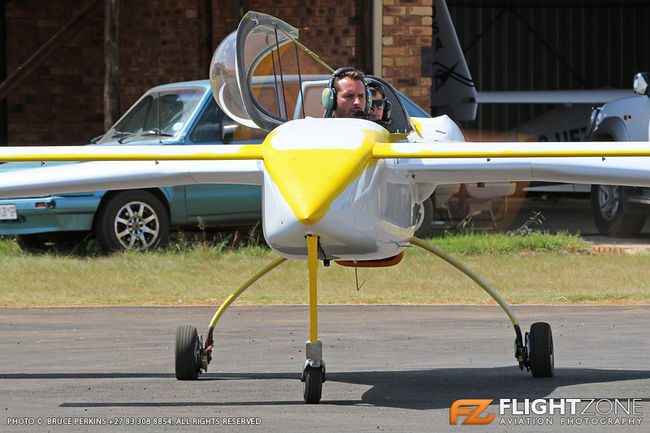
(342, 190)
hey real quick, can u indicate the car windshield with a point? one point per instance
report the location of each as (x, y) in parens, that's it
(159, 114)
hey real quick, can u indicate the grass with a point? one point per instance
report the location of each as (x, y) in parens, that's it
(524, 269)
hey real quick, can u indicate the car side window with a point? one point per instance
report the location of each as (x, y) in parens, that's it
(215, 126)
(209, 127)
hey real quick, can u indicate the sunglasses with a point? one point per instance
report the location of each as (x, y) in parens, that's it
(378, 104)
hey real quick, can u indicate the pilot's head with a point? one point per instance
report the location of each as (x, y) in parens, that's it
(350, 93)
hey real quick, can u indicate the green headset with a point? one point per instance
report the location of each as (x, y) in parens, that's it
(328, 97)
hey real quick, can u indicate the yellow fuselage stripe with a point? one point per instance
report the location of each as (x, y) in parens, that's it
(311, 179)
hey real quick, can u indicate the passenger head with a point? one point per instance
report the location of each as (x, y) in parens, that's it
(376, 111)
(380, 108)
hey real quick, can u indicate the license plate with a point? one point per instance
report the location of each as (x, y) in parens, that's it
(8, 212)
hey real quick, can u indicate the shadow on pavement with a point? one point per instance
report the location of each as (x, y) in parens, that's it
(416, 389)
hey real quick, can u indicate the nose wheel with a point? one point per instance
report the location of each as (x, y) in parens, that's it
(313, 378)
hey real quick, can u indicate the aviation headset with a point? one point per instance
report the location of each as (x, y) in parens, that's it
(328, 97)
(388, 107)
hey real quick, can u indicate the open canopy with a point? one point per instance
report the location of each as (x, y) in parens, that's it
(261, 76)
(259, 80)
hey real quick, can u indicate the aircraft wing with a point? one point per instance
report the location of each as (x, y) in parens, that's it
(595, 96)
(462, 162)
(117, 167)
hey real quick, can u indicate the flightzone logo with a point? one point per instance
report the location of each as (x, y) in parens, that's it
(471, 409)
(548, 411)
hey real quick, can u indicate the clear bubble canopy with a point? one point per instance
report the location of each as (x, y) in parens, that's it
(242, 59)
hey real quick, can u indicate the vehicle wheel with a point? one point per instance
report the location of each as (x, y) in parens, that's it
(613, 214)
(33, 243)
(424, 219)
(60, 242)
(132, 220)
(540, 350)
(313, 386)
(188, 353)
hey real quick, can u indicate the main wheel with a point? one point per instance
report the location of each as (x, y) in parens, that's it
(540, 350)
(132, 220)
(313, 386)
(188, 353)
(614, 214)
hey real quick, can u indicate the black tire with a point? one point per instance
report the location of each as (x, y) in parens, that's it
(132, 220)
(187, 353)
(424, 219)
(33, 243)
(60, 242)
(613, 213)
(540, 350)
(313, 385)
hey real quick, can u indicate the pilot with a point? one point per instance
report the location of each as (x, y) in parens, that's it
(346, 95)
(380, 109)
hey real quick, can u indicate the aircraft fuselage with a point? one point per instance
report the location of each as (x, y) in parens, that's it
(368, 216)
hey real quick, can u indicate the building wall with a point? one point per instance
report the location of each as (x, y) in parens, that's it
(63, 98)
(407, 28)
(62, 101)
(327, 27)
(528, 45)
(161, 41)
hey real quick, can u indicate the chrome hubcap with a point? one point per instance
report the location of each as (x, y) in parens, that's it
(136, 226)
(609, 200)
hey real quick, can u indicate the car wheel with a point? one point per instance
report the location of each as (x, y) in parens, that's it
(34, 243)
(60, 242)
(424, 218)
(132, 220)
(613, 213)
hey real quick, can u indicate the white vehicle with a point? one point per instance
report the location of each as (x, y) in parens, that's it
(622, 116)
(621, 210)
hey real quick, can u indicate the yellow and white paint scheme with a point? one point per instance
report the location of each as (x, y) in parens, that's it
(342, 180)
(333, 189)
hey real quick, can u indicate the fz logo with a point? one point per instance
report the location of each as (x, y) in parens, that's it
(472, 408)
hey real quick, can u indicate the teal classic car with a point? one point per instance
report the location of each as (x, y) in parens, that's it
(179, 113)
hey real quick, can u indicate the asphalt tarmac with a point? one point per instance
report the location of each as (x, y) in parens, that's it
(389, 368)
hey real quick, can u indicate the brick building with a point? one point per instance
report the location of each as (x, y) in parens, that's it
(162, 41)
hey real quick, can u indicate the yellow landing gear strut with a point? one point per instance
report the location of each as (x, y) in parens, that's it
(535, 351)
(191, 355)
(313, 372)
